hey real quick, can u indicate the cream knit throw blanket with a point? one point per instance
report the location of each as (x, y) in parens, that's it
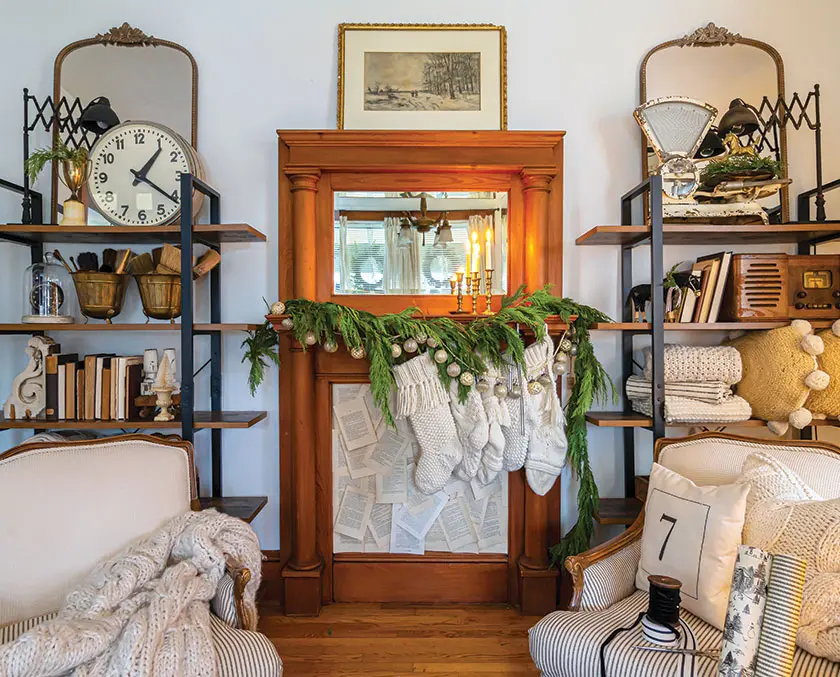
(144, 612)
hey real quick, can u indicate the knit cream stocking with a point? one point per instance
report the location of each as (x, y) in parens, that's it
(497, 417)
(422, 399)
(473, 429)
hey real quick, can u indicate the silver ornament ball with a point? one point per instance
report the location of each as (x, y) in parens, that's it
(559, 368)
(278, 308)
(310, 338)
(453, 369)
(431, 342)
(467, 379)
(357, 353)
(561, 358)
(573, 350)
(287, 323)
(535, 387)
(545, 380)
(396, 350)
(483, 386)
(515, 391)
(565, 345)
(420, 338)
(410, 346)
(441, 356)
(500, 390)
(331, 346)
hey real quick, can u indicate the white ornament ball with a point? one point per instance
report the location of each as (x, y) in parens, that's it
(562, 358)
(396, 350)
(811, 344)
(420, 338)
(817, 380)
(357, 353)
(515, 391)
(453, 369)
(535, 387)
(410, 346)
(310, 338)
(545, 380)
(559, 368)
(483, 386)
(431, 342)
(835, 328)
(278, 308)
(331, 346)
(287, 323)
(467, 379)
(500, 390)
(800, 418)
(441, 356)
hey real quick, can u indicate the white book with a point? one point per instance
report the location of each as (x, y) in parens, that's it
(123, 363)
(690, 301)
(717, 300)
(62, 397)
(97, 397)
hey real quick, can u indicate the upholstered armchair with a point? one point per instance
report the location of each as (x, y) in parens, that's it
(567, 643)
(66, 505)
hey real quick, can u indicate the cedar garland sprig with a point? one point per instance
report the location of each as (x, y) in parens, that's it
(495, 338)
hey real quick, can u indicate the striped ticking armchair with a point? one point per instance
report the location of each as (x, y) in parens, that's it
(86, 500)
(567, 643)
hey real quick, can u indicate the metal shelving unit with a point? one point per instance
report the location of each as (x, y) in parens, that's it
(187, 234)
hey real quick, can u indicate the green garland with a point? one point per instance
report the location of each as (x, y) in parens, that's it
(496, 338)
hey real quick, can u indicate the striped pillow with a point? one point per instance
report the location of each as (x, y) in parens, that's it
(223, 604)
(10, 632)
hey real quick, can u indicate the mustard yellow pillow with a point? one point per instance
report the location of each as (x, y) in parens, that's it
(826, 402)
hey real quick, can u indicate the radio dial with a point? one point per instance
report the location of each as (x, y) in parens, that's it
(836, 294)
(801, 294)
(800, 306)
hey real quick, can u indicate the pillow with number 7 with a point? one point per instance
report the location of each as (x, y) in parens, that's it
(692, 533)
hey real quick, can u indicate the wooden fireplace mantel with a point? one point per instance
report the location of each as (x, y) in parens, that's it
(312, 166)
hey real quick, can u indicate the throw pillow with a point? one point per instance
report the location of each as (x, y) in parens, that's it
(827, 402)
(692, 534)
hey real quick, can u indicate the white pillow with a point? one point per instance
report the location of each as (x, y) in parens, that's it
(692, 534)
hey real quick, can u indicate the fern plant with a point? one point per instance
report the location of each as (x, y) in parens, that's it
(60, 152)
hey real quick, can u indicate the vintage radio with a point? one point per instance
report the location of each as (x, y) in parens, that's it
(781, 287)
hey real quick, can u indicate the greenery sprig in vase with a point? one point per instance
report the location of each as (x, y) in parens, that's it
(74, 172)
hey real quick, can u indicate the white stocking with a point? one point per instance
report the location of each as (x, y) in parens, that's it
(421, 398)
(497, 417)
(473, 430)
(547, 446)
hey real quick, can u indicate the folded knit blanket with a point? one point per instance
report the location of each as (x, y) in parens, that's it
(713, 392)
(684, 410)
(144, 612)
(695, 364)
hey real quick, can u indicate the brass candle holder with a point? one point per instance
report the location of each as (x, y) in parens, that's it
(458, 284)
(476, 289)
(488, 290)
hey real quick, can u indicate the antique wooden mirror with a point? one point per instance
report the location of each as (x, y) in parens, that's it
(143, 77)
(716, 66)
(343, 196)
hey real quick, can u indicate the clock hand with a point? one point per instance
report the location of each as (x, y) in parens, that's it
(139, 176)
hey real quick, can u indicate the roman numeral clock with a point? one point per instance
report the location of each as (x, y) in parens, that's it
(136, 174)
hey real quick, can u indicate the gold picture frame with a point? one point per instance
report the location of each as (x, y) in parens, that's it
(362, 108)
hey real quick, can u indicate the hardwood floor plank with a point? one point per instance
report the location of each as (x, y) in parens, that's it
(391, 640)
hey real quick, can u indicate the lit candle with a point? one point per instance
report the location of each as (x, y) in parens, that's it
(488, 236)
(467, 247)
(476, 253)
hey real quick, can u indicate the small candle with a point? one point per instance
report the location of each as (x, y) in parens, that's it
(476, 253)
(488, 236)
(467, 247)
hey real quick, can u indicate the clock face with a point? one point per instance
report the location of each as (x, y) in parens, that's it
(136, 174)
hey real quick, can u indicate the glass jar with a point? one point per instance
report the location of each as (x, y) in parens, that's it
(48, 293)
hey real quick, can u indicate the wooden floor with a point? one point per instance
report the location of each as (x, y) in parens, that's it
(388, 640)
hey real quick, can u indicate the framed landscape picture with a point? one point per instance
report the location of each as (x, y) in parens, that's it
(422, 76)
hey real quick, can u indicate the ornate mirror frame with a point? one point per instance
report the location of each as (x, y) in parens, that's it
(313, 165)
(711, 35)
(119, 36)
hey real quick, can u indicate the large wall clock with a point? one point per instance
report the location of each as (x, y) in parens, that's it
(136, 174)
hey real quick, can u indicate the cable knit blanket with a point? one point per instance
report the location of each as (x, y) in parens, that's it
(144, 612)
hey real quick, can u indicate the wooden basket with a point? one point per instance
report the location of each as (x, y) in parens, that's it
(160, 294)
(101, 295)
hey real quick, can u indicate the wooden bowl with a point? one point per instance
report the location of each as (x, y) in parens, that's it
(101, 295)
(160, 294)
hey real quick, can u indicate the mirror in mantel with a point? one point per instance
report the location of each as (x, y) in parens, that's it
(416, 242)
(144, 78)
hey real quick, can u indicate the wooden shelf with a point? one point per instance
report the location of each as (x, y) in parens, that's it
(211, 233)
(708, 234)
(620, 419)
(29, 328)
(618, 510)
(245, 508)
(702, 326)
(202, 419)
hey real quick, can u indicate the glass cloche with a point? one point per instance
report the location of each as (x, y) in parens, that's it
(48, 293)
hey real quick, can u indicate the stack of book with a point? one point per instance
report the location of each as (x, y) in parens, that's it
(703, 296)
(93, 388)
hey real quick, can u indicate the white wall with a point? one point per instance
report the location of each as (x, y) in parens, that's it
(268, 64)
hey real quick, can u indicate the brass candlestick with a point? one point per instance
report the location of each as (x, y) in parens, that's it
(488, 290)
(476, 289)
(459, 298)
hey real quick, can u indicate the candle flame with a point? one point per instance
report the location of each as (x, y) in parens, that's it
(474, 236)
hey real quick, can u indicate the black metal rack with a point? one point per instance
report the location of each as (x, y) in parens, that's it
(188, 236)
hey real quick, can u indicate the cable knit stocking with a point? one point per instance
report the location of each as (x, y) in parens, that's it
(473, 429)
(547, 445)
(422, 399)
(518, 431)
(497, 416)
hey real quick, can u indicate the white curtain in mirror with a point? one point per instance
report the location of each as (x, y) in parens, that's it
(402, 262)
(343, 255)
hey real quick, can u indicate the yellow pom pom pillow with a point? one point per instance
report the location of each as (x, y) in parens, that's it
(826, 403)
